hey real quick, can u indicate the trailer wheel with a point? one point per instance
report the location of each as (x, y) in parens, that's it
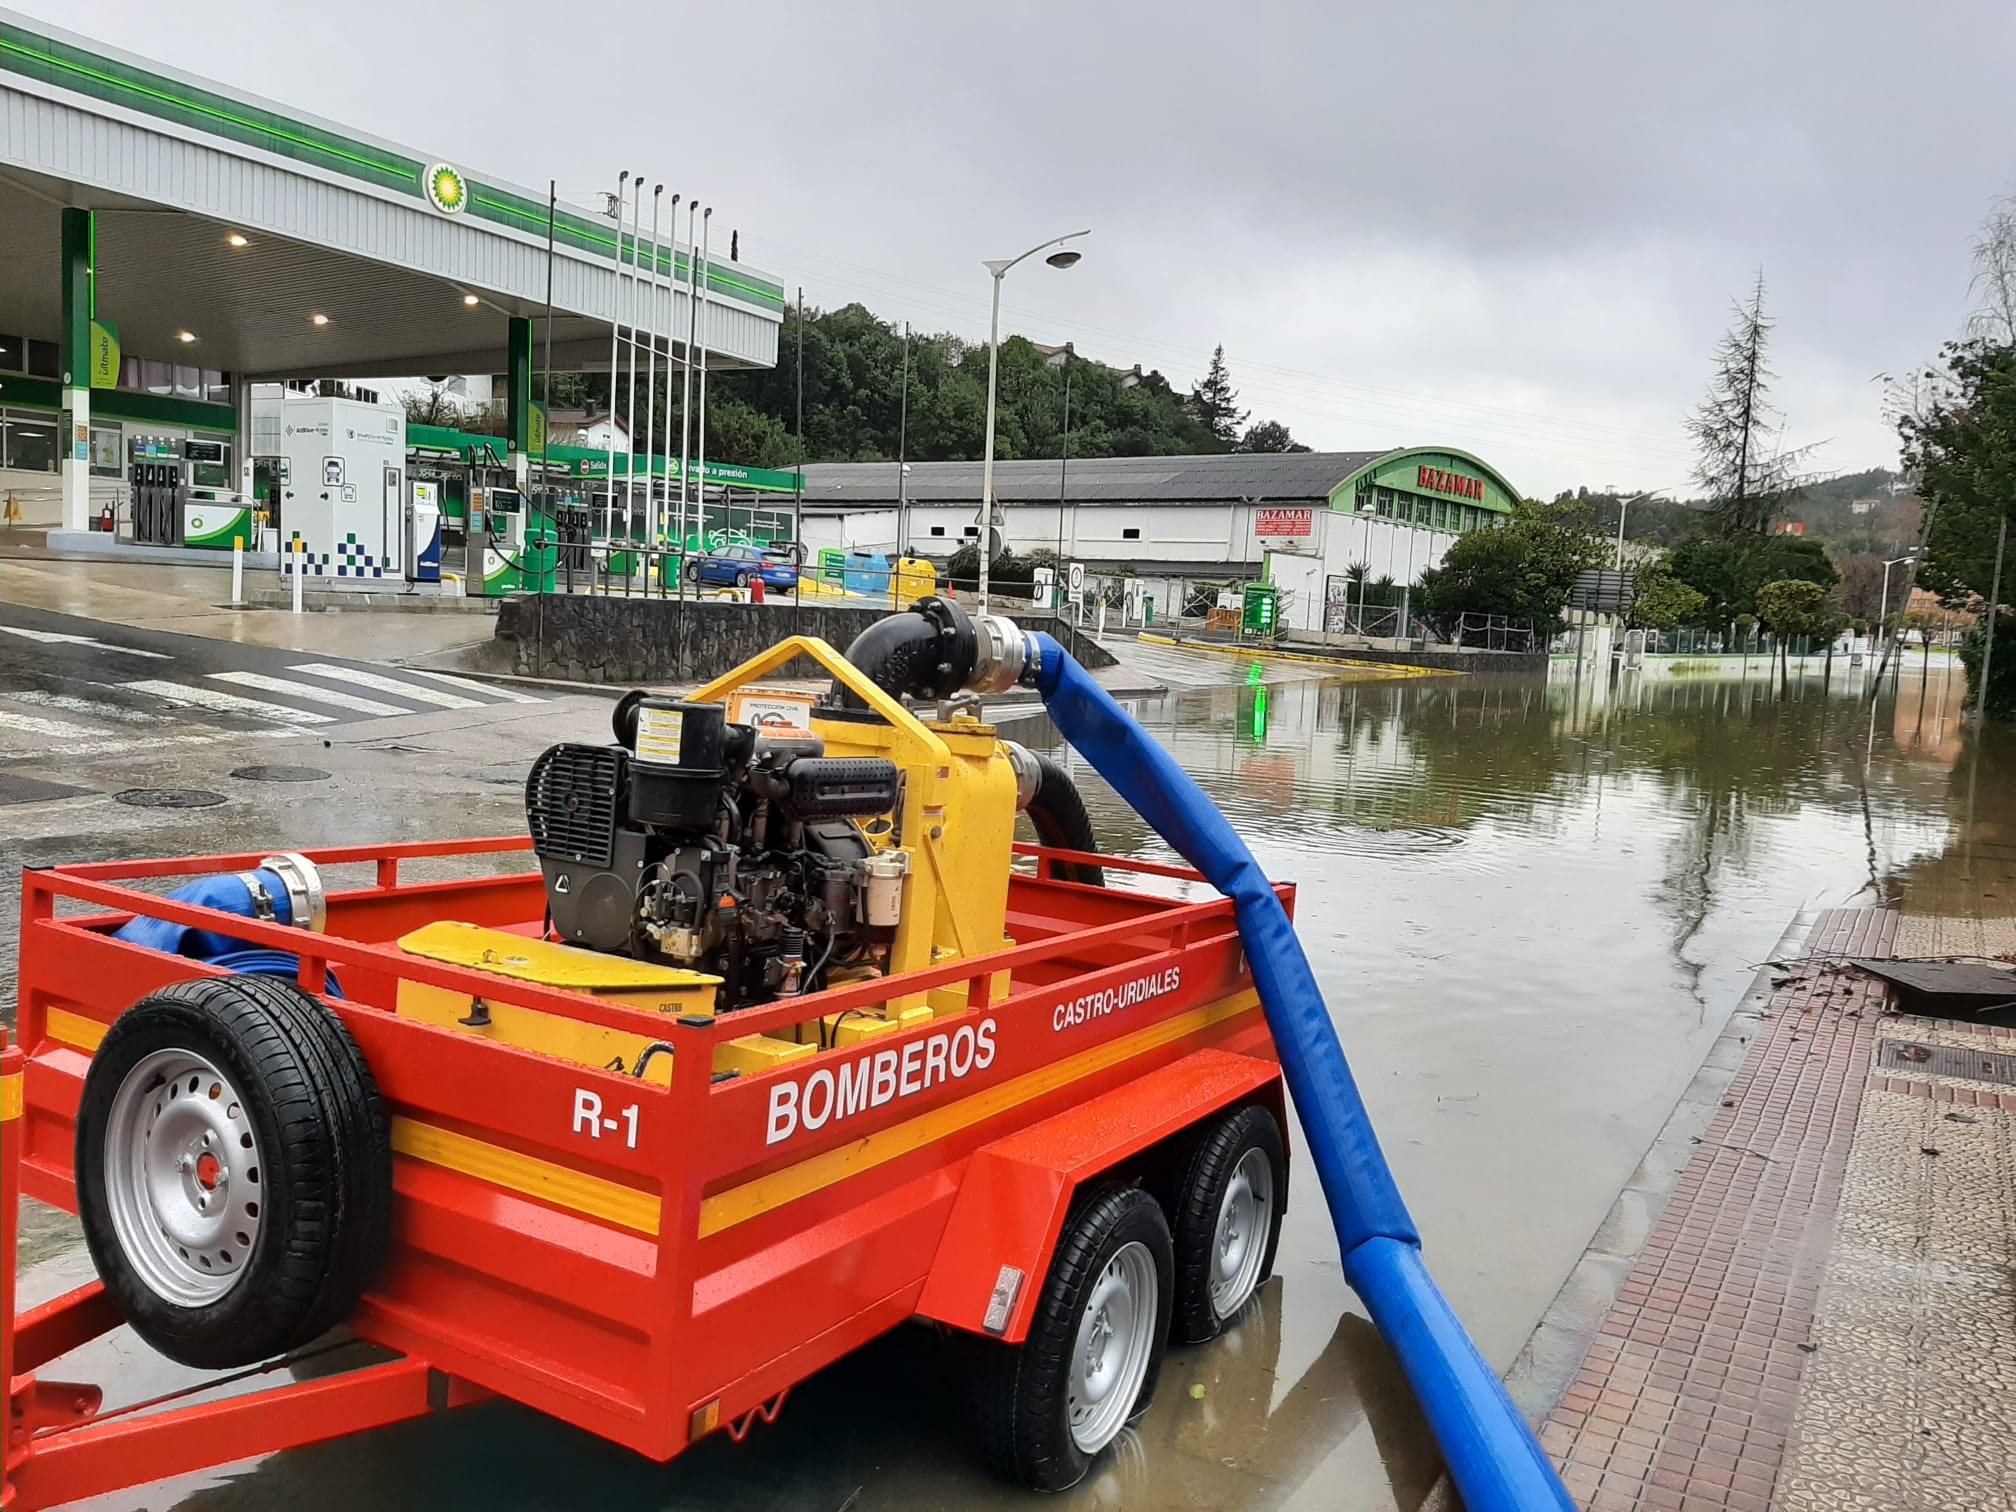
(234, 1169)
(1227, 1220)
(1046, 1408)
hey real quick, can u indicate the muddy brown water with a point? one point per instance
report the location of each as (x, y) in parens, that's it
(1531, 912)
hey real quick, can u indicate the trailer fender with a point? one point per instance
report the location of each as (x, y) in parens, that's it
(1016, 1192)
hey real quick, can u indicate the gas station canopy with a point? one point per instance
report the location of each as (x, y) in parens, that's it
(239, 221)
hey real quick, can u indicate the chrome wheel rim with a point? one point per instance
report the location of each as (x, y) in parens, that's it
(182, 1177)
(1239, 1244)
(1112, 1347)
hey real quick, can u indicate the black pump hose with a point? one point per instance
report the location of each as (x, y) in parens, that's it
(1058, 813)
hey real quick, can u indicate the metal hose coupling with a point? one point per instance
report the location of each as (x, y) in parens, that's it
(1001, 654)
(307, 902)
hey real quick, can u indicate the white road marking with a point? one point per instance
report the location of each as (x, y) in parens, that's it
(308, 691)
(54, 729)
(123, 744)
(470, 685)
(57, 638)
(226, 703)
(391, 685)
(97, 708)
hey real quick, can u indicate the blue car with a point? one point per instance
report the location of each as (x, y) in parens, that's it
(738, 566)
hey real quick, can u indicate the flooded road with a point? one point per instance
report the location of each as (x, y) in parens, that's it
(1531, 915)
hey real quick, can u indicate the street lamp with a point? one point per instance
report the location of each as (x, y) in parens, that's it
(1618, 564)
(1883, 613)
(1063, 257)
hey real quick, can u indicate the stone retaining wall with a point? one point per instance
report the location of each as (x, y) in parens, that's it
(624, 641)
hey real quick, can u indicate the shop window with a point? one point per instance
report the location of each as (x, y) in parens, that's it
(13, 353)
(28, 445)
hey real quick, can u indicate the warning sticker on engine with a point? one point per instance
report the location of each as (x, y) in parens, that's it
(658, 734)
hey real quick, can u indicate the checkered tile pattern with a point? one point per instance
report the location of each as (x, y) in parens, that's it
(350, 561)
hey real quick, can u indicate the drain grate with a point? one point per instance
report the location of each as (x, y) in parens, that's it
(1946, 1060)
(168, 798)
(280, 774)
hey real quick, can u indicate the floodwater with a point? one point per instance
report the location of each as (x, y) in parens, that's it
(1531, 909)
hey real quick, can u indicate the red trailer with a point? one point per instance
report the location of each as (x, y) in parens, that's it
(1074, 1152)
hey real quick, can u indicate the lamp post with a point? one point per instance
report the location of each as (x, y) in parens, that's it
(1617, 565)
(1063, 360)
(1063, 257)
(1883, 613)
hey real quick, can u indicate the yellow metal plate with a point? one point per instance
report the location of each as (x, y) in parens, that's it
(544, 961)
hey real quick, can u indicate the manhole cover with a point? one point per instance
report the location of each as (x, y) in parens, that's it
(280, 774)
(167, 798)
(1947, 1060)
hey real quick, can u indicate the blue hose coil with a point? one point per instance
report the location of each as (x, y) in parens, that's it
(227, 893)
(1492, 1455)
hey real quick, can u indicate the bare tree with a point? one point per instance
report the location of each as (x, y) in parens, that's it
(1742, 462)
(1995, 275)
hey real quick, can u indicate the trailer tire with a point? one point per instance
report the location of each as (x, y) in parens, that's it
(263, 1232)
(1226, 1219)
(1036, 1420)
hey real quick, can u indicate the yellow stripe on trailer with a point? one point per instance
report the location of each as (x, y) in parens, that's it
(74, 1030)
(12, 1098)
(560, 1185)
(752, 1199)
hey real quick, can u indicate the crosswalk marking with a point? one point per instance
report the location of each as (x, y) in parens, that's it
(308, 691)
(225, 703)
(436, 696)
(55, 729)
(470, 685)
(57, 638)
(107, 742)
(97, 708)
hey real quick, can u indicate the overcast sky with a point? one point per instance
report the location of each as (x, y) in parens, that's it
(1514, 229)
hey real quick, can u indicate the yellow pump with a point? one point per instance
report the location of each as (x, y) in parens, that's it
(954, 829)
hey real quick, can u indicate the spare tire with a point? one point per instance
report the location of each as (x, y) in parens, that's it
(234, 1169)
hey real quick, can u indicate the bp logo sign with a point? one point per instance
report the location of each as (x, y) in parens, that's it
(446, 190)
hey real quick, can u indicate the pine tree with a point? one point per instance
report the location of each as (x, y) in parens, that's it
(1216, 402)
(1741, 464)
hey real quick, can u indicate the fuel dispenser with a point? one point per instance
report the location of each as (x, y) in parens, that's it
(423, 532)
(160, 489)
(496, 540)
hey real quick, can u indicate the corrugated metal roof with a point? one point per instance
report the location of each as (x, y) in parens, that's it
(1268, 476)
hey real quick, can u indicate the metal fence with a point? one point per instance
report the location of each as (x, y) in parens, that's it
(1494, 632)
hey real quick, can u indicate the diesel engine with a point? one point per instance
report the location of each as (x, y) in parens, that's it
(724, 848)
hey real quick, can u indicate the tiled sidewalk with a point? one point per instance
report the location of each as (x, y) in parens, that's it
(1686, 1399)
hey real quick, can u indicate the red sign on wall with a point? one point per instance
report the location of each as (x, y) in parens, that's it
(1440, 480)
(1284, 522)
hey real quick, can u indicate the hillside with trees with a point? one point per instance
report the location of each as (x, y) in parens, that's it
(854, 401)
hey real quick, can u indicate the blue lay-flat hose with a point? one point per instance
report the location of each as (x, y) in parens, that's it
(227, 893)
(1492, 1455)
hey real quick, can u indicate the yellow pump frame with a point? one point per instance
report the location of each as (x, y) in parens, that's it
(956, 821)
